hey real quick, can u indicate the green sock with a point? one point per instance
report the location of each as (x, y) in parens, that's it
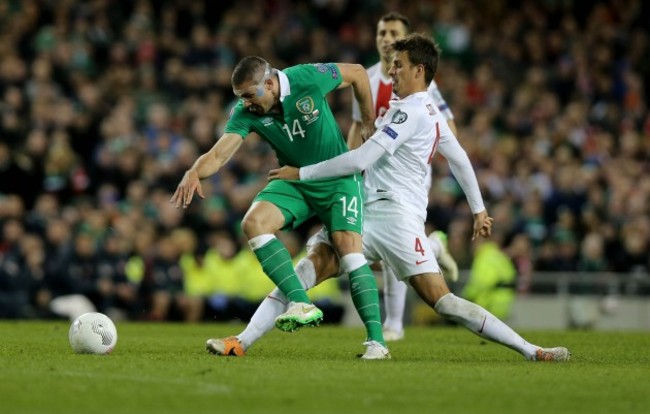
(363, 289)
(276, 263)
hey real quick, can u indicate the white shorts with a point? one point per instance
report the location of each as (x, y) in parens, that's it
(397, 238)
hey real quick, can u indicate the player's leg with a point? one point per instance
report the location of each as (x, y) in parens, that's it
(327, 263)
(338, 203)
(345, 221)
(363, 289)
(320, 264)
(394, 304)
(281, 205)
(448, 265)
(260, 223)
(395, 290)
(287, 205)
(401, 242)
(434, 291)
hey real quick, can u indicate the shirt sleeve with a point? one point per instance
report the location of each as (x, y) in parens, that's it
(325, 76)
(345, 164)
(463, 171)
(397, 125)
(237, 122)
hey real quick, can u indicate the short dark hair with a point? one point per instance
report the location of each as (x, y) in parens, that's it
(421, 50)
(247, 69)
(393, 16)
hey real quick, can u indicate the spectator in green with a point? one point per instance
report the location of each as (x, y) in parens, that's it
(492, 279)
(222, 266)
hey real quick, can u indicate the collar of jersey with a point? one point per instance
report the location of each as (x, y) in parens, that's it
(285, 87)
(415, 95)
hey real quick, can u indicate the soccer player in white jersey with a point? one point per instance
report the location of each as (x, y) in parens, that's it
(390, 28)
(396, 163)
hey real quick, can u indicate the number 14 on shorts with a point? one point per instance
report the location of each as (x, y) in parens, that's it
(351, 206)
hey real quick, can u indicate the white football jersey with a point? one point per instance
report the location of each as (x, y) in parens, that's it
(382, 93)
(410, 132)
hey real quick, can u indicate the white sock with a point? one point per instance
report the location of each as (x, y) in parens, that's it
(483, 323)
(394, 300)
(259, 241)
(263, 320)
(275, 304)
(352, 261)
(306, 273)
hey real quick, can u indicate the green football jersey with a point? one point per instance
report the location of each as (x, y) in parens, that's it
(305, 132)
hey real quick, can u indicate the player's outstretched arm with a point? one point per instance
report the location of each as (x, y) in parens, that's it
(461, 168)
(345, 164)
(463, 171)
(205, 166)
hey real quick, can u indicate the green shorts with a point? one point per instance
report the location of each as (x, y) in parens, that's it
(337, 202)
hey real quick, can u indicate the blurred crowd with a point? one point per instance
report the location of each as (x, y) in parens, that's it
(105, 103)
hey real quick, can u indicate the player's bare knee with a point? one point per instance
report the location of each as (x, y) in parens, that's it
(262, 218)
(252, 225)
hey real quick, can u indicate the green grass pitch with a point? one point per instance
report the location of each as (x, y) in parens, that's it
(163, 368)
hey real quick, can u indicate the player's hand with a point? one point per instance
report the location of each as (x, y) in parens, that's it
(186, 189)
(285, 173)
(482, 225)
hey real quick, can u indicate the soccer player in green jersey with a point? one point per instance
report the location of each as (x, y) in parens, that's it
(289, 110)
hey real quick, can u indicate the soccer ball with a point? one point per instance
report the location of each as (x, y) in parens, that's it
(92, 333)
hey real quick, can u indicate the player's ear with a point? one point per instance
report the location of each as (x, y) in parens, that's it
(268, 85)
(420, 71)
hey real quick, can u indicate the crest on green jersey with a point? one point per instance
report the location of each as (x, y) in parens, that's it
(305, 105)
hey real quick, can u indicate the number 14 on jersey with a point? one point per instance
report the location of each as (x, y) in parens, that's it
(295, 130)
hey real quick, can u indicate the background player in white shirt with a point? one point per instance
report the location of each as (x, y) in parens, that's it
(390, 28)
(396, 163)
